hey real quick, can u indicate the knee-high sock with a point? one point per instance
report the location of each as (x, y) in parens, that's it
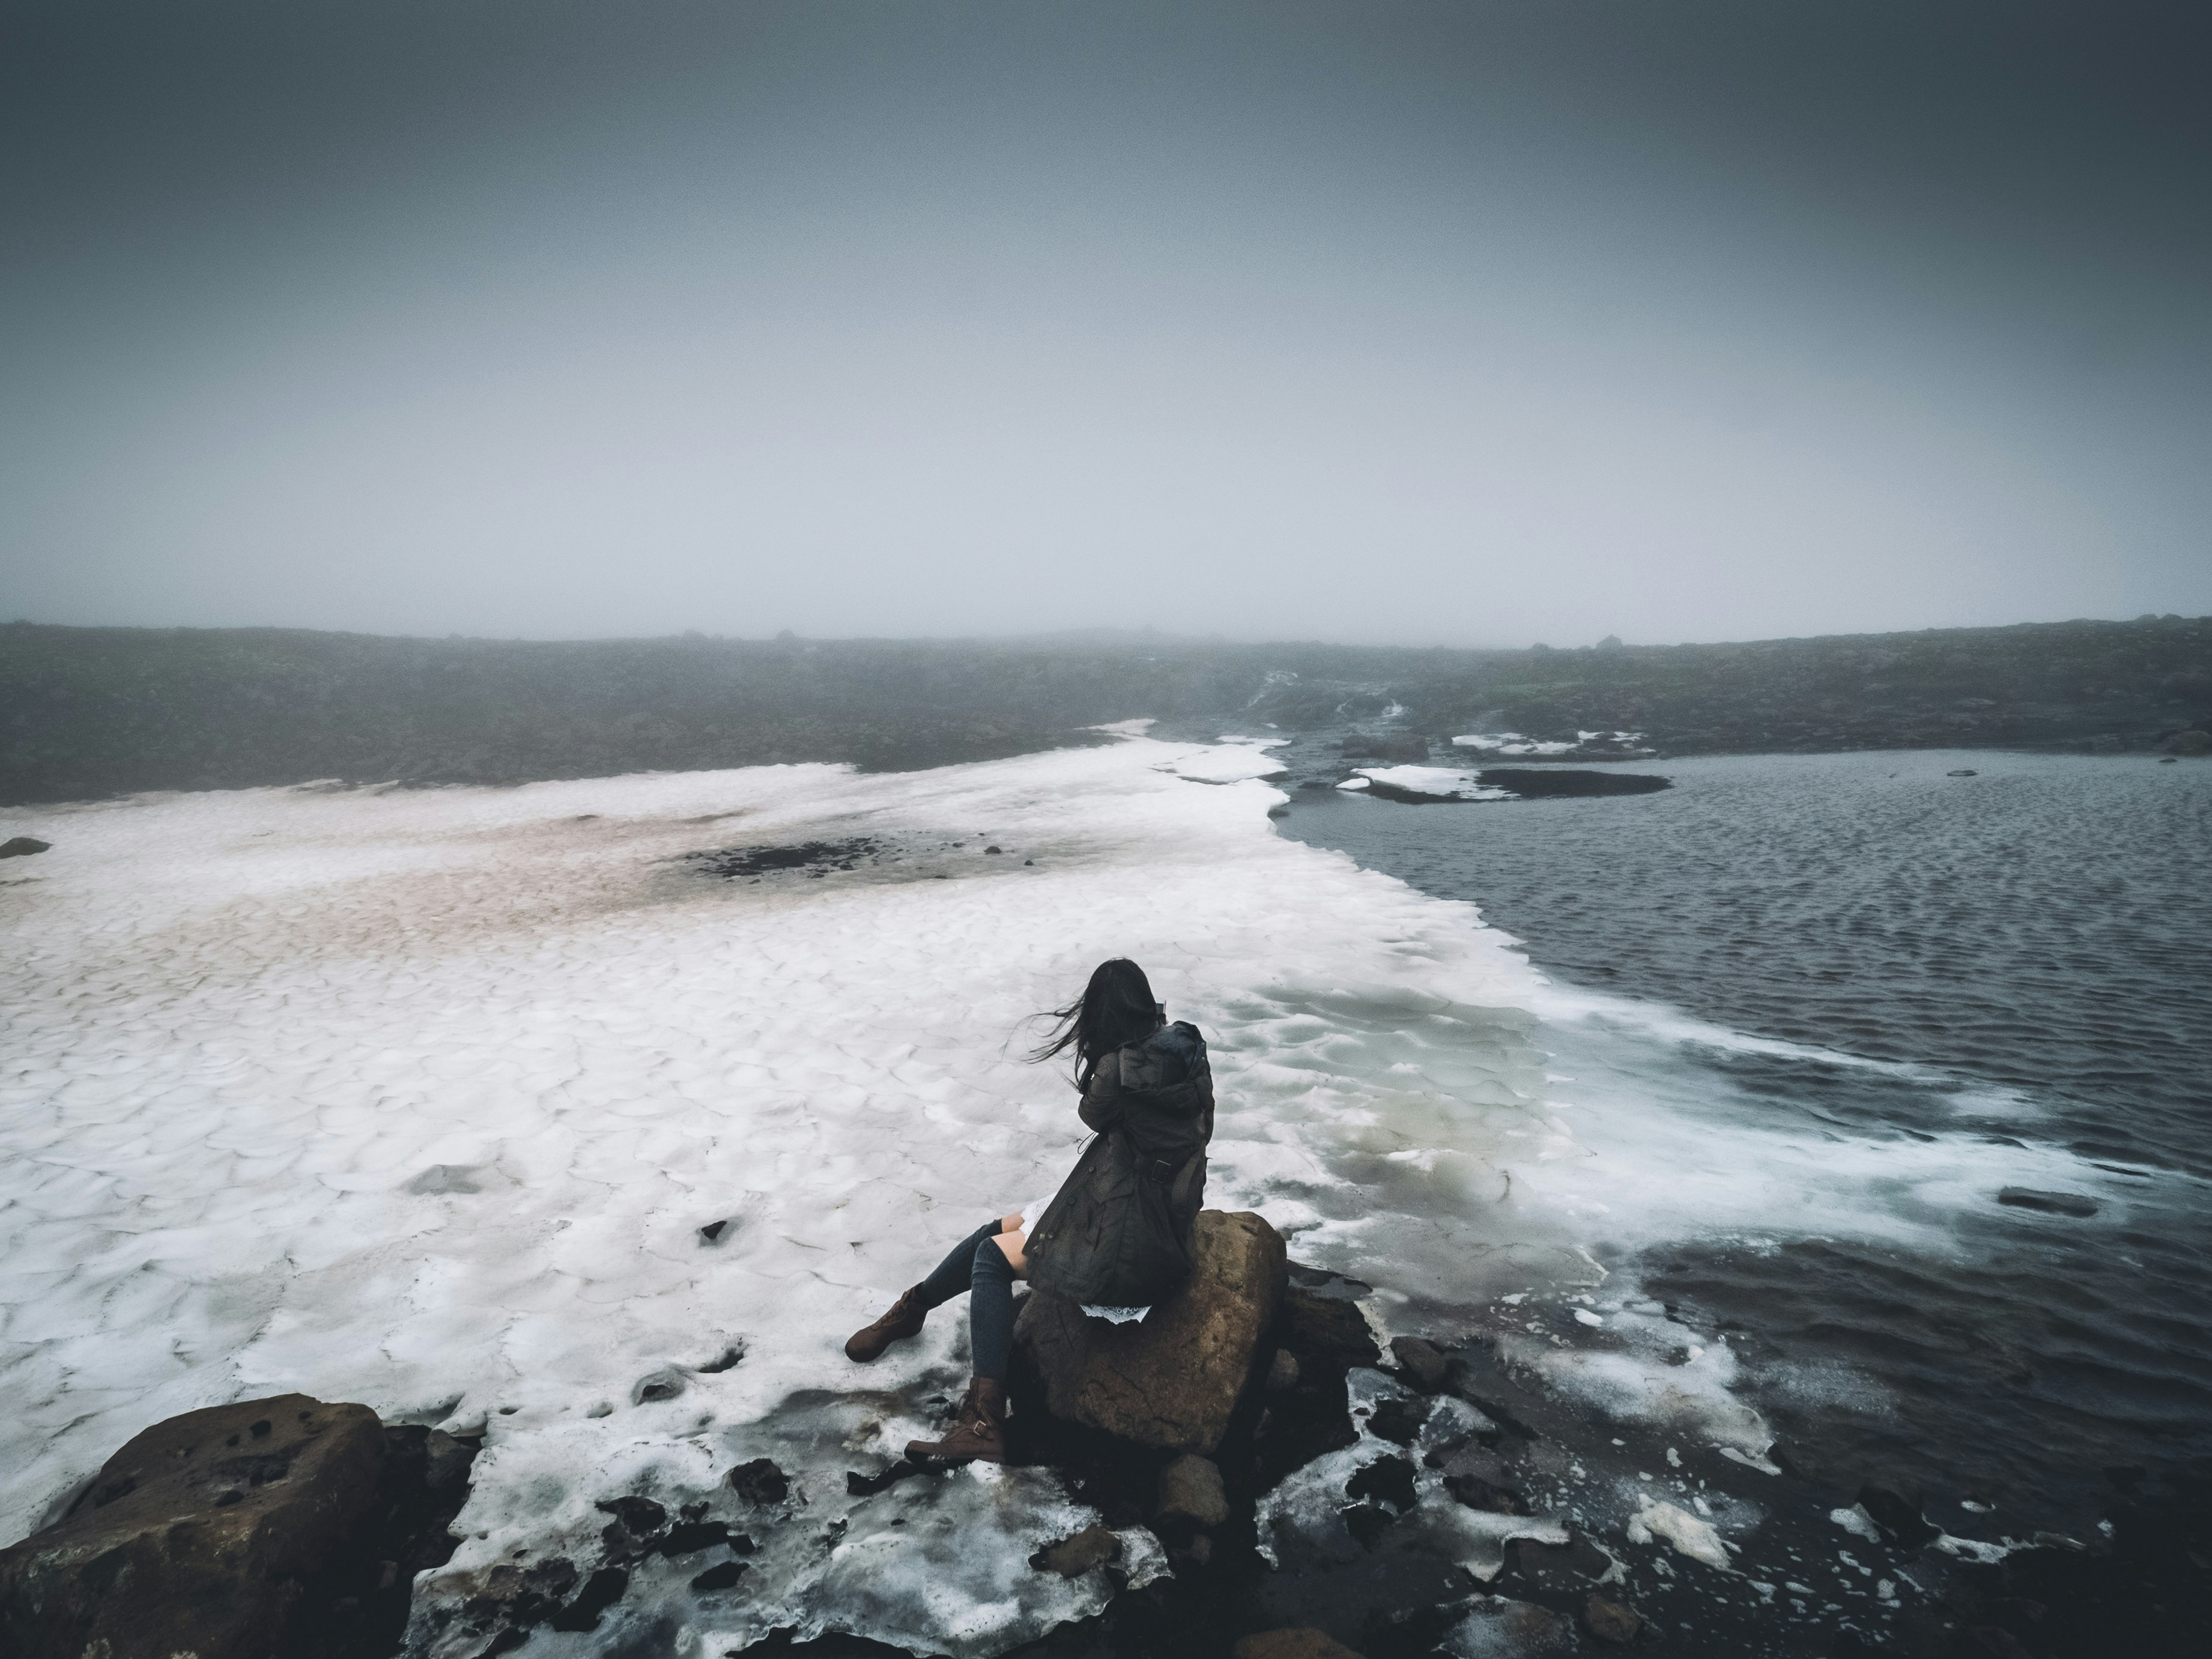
(950, 1276)
(991, 1312)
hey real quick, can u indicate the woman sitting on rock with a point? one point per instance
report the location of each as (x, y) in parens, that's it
(1116, 1236)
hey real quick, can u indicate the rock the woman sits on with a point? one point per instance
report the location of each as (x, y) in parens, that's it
(1117, 1233)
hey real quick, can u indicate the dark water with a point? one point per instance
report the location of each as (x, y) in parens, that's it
(2026, 955)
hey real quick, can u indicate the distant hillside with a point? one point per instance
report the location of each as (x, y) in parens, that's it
(88, 711)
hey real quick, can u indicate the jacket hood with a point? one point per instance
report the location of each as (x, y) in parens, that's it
(1171, 1055)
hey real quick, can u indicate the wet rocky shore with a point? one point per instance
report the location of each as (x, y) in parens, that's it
(1395, 1497)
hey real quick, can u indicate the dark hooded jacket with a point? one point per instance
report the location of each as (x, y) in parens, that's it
(1118, 1231)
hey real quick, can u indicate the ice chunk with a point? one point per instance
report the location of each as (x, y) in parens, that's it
(1688, 1534)
(1430, 783)
(1856, 1521)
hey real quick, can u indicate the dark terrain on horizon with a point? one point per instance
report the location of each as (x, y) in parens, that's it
(97, 712)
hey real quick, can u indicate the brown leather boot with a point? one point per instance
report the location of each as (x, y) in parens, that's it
(904, 1320)
(980, 1432)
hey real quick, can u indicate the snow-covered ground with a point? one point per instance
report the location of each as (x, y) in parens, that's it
(421, 1098)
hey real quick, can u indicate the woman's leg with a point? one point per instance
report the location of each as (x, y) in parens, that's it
(981, 1429)
(991, 1306)
(950, 1276)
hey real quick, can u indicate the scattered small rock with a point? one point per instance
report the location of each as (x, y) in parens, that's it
(867, 1485)
(1072, 1557)
(445, 1461)
(1301, 1644)
(1190, 1490)
(711, 1232)
(1328, 1324)
(993, 849)
(1558, 1570)
(1898, 1517)
(1389, 1480)
(760, 1482)
(1423, 1362)
(720, 1577)
(601, 1591)
(1398, 1420)
(1963, 771)
(1367, 1522)
(1610, 1621)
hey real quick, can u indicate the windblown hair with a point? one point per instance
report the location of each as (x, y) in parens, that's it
(1117, 1007)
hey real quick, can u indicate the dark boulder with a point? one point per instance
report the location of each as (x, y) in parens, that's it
(1172, 1379)
(760, 1482)
(1898, 1517)
(21, 846)
(200, 1536)
(1422, 1362)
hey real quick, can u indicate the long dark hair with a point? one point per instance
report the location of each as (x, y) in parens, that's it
(1117, 1007)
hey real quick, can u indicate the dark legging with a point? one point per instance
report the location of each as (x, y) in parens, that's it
(988, 1279)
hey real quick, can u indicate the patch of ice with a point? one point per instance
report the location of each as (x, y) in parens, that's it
(1116, 1316)
(1510, 743)
(1975, 1550)
(1432, 783)
(1688, 1534)
(1651, 1381)
(1239, 762)
(1142, 1561)
(1856, 1521)
(1764, 1464)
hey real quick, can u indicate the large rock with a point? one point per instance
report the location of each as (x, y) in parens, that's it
(198, 1537)
(1172, 1379)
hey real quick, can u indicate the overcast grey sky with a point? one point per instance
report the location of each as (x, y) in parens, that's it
(1470, 324)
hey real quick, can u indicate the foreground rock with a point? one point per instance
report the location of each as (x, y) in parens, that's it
(1173, 1379)
(199, 1537)
(21, 846)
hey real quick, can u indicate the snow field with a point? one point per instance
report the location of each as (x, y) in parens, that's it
(421, 1098)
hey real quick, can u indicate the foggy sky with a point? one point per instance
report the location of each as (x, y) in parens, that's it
(1473, 324)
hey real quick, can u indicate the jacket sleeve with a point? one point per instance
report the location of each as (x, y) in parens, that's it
(1101, 1101)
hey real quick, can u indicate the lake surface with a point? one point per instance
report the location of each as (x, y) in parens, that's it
(1866, 1033)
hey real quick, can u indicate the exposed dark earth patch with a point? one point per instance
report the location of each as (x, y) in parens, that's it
(815, 857)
